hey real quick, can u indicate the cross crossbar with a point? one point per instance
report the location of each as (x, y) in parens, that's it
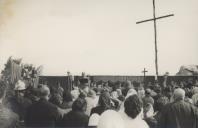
(154, 18)
(144, 71)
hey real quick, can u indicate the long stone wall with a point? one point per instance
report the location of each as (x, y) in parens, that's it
(63, 80)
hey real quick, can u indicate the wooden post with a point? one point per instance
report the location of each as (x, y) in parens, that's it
(155, 32)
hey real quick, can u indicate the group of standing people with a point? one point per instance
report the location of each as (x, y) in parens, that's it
(100, 106)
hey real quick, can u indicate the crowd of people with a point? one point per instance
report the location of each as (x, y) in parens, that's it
(119, 105)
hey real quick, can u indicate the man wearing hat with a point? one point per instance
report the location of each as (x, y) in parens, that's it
(19, 103)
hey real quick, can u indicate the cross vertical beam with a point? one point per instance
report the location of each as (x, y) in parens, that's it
(155, 32)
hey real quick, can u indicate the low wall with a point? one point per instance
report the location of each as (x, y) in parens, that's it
(65, 83)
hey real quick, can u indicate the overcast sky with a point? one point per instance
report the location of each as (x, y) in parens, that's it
(99, 37)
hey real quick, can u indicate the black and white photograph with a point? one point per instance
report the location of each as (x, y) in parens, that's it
(98, 63)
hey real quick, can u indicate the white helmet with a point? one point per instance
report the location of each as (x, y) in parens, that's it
(20, 85)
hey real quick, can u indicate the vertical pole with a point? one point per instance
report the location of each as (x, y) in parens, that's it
(144, 77)
(155, 32)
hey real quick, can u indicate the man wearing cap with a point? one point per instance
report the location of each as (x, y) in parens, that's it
(19, 103)
(179, 114)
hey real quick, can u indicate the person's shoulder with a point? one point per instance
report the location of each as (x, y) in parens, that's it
(109, 112)
(81, 115)
(136, 123)
(7, 113)
(182, 103)
(44, 104)
(111, 118)
(49, 104)
(194, 109)
(27, 100)
(76, 115)
(143, 124)
(14, 117)
(67, 114)
(8, 118)
(167, 108)
(31, 107)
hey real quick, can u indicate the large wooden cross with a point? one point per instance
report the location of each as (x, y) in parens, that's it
(155, 34)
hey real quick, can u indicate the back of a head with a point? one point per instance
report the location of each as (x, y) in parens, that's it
(67, 97)
(56, 99)
(133, 106)
(91, 93)
(105, 100)
(44, 91)
(129, 84)
(161, 102)
(179, 94)
(79, 104)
